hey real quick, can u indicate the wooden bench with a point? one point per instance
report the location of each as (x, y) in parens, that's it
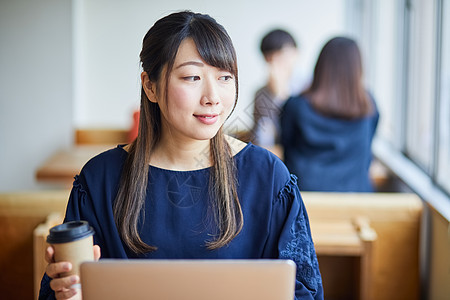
(20, 214)
(393, 258)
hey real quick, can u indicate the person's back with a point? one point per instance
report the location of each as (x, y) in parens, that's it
(328, 154)
(327, 132)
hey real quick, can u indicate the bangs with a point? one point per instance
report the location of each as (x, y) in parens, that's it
(215, 47)
(213, 44)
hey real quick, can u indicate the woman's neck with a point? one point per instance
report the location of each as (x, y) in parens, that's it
(187, 158)
(181, 156)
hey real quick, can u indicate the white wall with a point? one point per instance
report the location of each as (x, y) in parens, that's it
(35, 86)
(69, 64)
(110, 34)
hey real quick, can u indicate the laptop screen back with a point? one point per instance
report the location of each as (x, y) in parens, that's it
(188, 279)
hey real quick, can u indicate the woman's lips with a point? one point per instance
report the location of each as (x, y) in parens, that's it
(207, 119)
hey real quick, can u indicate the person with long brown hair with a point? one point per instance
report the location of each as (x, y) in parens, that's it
(183, 189)
(327, 131)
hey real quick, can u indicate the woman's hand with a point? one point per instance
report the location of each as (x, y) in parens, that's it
(63, 285)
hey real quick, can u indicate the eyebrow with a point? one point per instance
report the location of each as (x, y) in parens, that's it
(194, 63)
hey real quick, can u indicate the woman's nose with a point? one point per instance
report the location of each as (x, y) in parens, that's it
(210, 93)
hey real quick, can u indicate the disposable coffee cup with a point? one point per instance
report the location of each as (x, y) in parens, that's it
(73, 242)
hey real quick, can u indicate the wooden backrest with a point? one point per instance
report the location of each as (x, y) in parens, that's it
(101, 136)
(396, 219)
(20, 214)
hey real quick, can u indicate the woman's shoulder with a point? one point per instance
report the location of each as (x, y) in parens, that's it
(296, 102)
(256, 159)
(261, 170)
(235, 144)
(373, 102)
(108, 159)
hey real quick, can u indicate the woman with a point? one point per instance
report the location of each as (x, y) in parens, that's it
(182, 189)
(327, 131)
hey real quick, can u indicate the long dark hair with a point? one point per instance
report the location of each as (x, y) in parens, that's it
(160, 46)
(337, 88)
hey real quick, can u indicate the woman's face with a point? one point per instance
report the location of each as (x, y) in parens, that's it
(200, 97)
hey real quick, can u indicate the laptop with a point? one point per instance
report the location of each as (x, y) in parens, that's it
(136, 279)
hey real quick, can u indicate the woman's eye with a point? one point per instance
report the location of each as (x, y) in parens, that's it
(191, 78)
(226, 77)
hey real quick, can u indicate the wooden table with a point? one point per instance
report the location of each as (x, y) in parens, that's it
(61, 167)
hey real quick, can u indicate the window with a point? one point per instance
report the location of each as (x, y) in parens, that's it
(383, 79)
(406, 48)
(420, 91)
(443, 160)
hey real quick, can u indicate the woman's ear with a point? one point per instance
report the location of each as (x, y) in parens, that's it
(149, 87)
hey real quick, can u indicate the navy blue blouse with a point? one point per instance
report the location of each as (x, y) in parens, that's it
(178, 223)
(327, 154)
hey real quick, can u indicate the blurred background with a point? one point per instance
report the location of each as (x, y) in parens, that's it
(68, 65)
(73, 65)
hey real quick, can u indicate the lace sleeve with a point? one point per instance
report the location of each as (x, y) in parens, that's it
(295, 242)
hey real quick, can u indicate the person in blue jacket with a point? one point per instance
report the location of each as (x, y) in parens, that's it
(327, 131)
(183, 189)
